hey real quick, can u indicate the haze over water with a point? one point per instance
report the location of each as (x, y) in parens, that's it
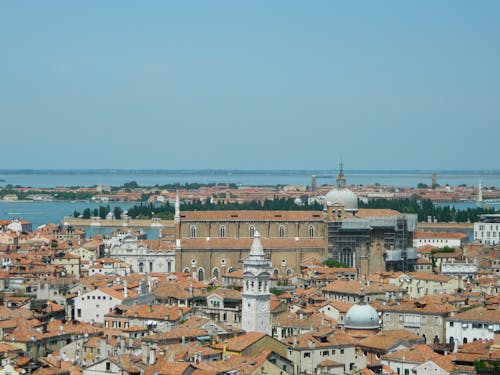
(40, 213)
(240, 177)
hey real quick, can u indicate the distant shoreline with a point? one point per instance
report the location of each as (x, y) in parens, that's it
(412, 172)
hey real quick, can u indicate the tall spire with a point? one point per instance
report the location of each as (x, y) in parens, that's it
(177, 215)
(341, 182)
(257, 249)
(256, 313)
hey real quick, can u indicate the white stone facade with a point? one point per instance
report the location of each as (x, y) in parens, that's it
(439, 242)
(91, 307)
(466, 269)
(306, 361)
(467, 331)
(142, 259)
(429, 368)
(487, 233)
(256, 315)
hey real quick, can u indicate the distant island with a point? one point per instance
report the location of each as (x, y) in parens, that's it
(249, 171)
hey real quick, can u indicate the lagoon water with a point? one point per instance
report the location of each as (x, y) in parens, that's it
(151, 178)
(53, 212)
(40, 213)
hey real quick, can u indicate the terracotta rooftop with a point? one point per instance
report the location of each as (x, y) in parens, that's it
(426, 249)
(376, 212)
(417, 354)
(354, 287)
(423, 261)
(429, 277)
(342, 307)
(112, 292)
(154, 311)
(444, 235)
(416, 306)
(322, 338)
(249, 215)
(330, 363)
(308, 321)
(225, 293)
(478, 314)
(241, 342)
(387, 339)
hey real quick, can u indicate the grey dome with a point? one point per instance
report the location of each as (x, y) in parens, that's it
(362, 317)
(343, 197)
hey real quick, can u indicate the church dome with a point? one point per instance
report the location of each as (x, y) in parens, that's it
(362, 317)
(343, 197)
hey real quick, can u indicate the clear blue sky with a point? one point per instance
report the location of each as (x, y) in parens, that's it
(250, 84)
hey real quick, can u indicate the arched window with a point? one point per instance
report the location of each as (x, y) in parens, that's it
(193, 231)
(215, 272)
(186, 270)
(222, 231)
(201, 274)
(347, 257)
(282, 231)
(251, 230)
(288, 271)
(276, 272)
(169, 267)
(311, 231)
(141, 267)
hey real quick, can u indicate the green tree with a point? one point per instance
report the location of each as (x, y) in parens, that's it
(276, 291)
(103, 211)
(117, 212)
(86, 213)
(131, 185)
(145, 197)
(332, 263)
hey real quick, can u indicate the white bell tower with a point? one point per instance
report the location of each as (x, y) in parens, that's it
(256, 314)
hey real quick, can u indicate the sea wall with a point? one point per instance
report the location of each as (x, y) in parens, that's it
(129, 223)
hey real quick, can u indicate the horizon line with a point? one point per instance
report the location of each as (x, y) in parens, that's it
(233, 170)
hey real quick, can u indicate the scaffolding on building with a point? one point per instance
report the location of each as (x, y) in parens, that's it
(351, 234)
